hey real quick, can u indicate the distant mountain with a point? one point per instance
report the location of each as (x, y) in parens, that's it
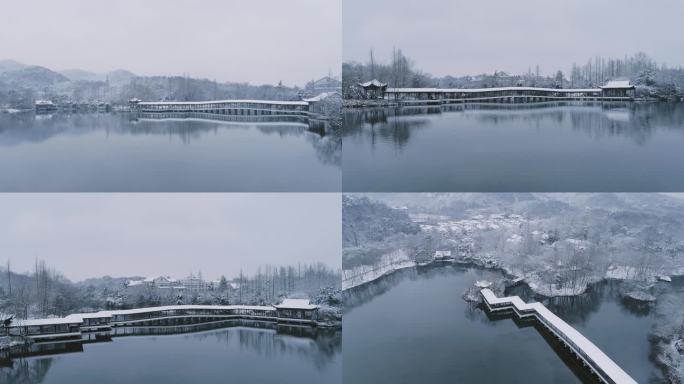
(32, 77)
(81, 85)
(81, 75)
(120, 76)
(11, 65)
(116, 77)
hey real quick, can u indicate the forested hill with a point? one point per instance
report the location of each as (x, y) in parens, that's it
(21, 85)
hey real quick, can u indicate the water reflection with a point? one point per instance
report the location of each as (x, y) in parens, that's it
(130, 152)
(432, 311)
(260, 344)
(540, 147)
(636, 121)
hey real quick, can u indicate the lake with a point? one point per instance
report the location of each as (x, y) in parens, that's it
(233, 354)
(123, 153)
(528, 147)
(414, 327)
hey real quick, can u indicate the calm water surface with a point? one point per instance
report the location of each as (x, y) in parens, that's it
(414, 327)
(117, 152)
(229, 355)
(561, 148)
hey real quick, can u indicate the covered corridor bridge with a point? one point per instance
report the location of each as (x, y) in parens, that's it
(291, 311)
(605, 369)
(226, 107)
(612, 91)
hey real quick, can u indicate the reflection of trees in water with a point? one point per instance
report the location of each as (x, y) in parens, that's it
(386, 125)
(320, 346)
(365, 293)
(636, 121)
(26, 127)
(578, 309)
(328, 148)
(25, 371)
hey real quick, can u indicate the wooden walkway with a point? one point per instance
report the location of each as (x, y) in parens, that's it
(591, 356)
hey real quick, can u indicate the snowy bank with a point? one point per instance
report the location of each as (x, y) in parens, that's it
(364, 274)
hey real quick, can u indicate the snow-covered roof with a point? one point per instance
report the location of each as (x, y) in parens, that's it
(270, 102)
(413, 90)
(473, 90)
(592, 351)
(620, 84)
(442, 253)
(179, 307)
(163, 278)
(327, 80)
(322, 96)
(51, 321)
(296, 304)
(373, 83)
(77, 318)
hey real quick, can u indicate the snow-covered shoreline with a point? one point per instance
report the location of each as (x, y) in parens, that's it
(364, 274)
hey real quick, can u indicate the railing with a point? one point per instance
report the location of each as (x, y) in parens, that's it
(503, 94)
(73, 325)
(592, 357)
(229, 107)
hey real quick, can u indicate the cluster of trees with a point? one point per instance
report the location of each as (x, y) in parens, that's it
(270, 283)
(44, 292)
(41, 293)
(184, 88)
(559, 245)
(399, 72)
(643, 71)
(366, 221)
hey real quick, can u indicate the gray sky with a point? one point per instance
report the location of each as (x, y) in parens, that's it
(260, 41)
(472, 37)
(92, 235)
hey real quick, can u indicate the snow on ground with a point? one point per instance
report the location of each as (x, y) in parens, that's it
(475, 223)
(366, 273)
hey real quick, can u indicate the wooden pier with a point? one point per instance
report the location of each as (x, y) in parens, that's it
(605, 369)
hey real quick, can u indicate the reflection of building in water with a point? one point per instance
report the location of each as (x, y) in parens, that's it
(321, 346)
(24, 371)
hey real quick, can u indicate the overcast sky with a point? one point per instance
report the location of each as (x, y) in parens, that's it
(462, 37)
(92, 235)
(260, 41)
